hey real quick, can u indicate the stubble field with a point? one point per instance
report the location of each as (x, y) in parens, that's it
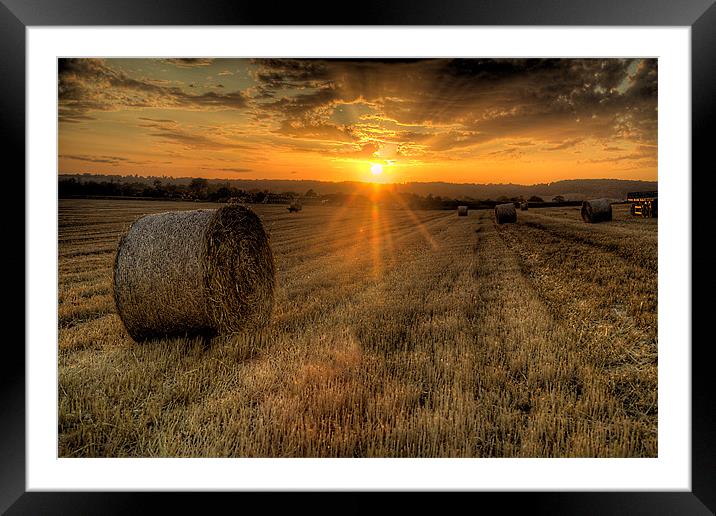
(395, 334)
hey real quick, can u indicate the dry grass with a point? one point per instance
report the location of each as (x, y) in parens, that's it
(394, 335)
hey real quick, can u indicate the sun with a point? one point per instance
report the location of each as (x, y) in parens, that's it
(376, 169)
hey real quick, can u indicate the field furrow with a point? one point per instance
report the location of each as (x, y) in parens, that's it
(394, 334)
(614, 327)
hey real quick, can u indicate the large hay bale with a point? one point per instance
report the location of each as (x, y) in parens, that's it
(199, 272)
(597, 210)
(462, 211)
(505, 213)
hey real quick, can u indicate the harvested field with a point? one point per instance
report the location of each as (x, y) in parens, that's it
(394, 334)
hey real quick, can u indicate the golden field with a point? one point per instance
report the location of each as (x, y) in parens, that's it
(394, 334)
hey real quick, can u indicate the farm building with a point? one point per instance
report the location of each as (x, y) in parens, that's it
(643, 204)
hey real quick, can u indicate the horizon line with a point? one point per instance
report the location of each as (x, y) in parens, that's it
(353, 182)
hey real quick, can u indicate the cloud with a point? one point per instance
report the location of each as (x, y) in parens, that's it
(365, 151)
(235, 100)
(157, 120)
(427, 109)
(640, 155)
(70, 116)
(467, 102)
(316, 131)
(111, 160)
(228, 169)
(303, 105)
(87, 85)
(193, 140)
(510, 153)
(273, 74)
(189, 62)
(565, 144)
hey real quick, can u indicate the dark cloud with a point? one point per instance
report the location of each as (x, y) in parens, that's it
(644, 83)
(111, 160)
(303, 105)
(189, 62)
(273, 74)
(426, 108)
(565, 144)
(71, 116)
(235, 100)
(87, 85)
(474, 100)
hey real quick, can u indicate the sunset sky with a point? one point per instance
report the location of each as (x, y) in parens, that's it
(390, 120)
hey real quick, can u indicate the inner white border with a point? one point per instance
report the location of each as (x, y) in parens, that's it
(672, 469)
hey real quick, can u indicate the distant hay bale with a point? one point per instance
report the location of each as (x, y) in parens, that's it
(524, 206)
(462, 211)
(505, 213)
(295, 206)
(199, 272)
(597, 210)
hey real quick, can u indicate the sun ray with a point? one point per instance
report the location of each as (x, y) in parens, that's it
(419, 224)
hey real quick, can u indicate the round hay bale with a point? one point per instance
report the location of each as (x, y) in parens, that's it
(597, 210)
(199, 272)
(524, 206)
(505, 213)
(462, 211)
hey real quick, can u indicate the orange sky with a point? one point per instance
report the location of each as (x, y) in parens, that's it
(467, 121)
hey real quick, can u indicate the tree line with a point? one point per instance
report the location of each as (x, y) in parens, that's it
(200, 189)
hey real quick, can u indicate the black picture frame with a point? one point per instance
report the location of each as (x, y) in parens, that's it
(699, 15)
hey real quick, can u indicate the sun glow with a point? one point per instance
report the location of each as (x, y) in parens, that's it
(376, 169)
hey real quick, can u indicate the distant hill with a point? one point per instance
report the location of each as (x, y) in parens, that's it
(570, 189)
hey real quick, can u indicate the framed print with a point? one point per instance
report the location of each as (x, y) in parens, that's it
(423, 255)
